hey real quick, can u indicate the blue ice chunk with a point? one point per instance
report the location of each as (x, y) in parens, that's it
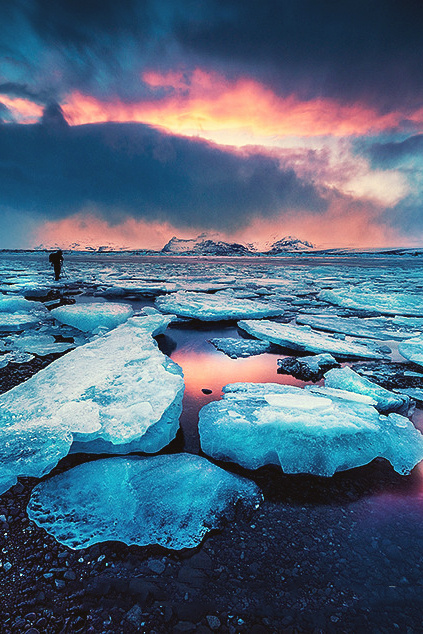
(412, 349)
(88, 317)
(305, 339)
(265, 423)
(215, 307)
(169, 500)
(16, 303)
(236, 348)
(385, 303)
(386, 401)
(116, 394)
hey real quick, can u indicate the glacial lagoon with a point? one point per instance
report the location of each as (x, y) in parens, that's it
(349, 544)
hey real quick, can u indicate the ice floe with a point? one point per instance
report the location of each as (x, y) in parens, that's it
(169, 500)
(373, 327)
(88, 317)
(40, 344)
(386, 401)
(304, 339)
(307, 368)
(412, 349)
(16, 303)
(116, 394)
(236, 348)
(387, 303)
(305, 432)
(214, 307)
(415, 393)
(14, 356)
(18, 321)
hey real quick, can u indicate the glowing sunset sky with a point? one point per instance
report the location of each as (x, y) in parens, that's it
(128, 122)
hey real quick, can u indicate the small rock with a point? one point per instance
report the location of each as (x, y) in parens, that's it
(69, 575)
(206, 390)
(184, 626)
(134, 616)
(213, 622)
(156, 566)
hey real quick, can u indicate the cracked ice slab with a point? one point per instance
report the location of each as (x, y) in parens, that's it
(304, 339)
(87, 317)
(373, 327)
(304, 432)
(214, 307)
(389, 303)
(412, 349)
(116, 394)
(386, 401)
(169, 500)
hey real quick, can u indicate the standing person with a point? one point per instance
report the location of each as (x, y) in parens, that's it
(56, 260)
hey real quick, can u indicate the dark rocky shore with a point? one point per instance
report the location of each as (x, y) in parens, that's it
(318, 556)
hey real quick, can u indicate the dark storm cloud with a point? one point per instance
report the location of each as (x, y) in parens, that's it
(55, 170)
(354, 49)
(349, 49)
(14, 89)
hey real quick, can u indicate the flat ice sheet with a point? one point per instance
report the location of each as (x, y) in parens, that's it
(236, 348)
(18, 321)
(304, 432)
(87, 317)
(169, 500)
(412, 350)
(386, 303)
(116, 394)
(304, 339)
(209, 307)
(373, 327)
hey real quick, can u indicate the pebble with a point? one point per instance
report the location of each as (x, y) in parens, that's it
(213, 621)
(156, 566)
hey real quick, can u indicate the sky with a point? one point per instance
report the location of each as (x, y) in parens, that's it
(124, 123)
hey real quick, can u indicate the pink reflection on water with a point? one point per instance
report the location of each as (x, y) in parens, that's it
(215, 370)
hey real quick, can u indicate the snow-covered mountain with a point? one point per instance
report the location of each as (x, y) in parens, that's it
(205, 246)
(289, 243)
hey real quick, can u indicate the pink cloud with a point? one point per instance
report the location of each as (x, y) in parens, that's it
(22, 110)
(235, 112)
(347, 223)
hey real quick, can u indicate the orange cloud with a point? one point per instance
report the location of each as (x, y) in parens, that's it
(233, 112)
(346, 223)
(22, 110)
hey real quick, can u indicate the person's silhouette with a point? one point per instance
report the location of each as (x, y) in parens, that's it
(56, 260)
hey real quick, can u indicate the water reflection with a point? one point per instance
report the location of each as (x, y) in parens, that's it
(206, 368)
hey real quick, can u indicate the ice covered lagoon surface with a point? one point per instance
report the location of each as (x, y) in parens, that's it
(295, 285)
